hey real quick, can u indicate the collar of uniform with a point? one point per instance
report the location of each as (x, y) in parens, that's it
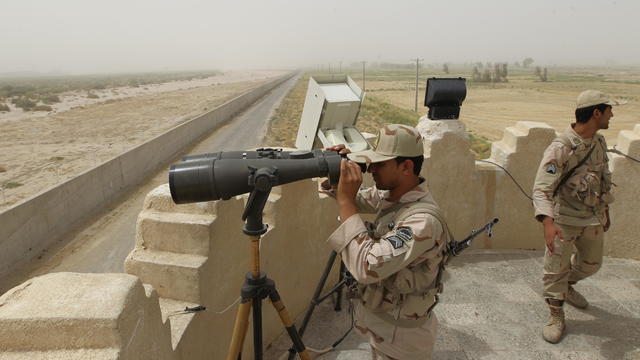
(575, 138)
(415, 194)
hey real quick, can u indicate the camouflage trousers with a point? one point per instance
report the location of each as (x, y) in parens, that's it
(389, 342)
(576, 257)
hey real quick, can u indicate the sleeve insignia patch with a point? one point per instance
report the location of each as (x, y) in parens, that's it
(551, 169)
(402, 235)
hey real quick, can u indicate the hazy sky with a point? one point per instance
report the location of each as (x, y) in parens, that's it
(80, 36)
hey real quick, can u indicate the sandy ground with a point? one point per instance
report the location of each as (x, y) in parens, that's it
(38, 151)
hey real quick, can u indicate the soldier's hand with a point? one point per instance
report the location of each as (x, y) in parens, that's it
(551, 230)
(341, 149)
(350, 181)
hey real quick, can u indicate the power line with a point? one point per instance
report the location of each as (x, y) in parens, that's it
(512, 178)
(364, 87)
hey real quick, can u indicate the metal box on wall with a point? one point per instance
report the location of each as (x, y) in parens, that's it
(331, 109)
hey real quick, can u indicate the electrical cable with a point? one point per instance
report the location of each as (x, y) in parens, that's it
(512, 178)
(614, 150)
(229, 307)
(344, 336)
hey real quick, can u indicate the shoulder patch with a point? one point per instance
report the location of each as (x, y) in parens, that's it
(401, 236)
(551, 169)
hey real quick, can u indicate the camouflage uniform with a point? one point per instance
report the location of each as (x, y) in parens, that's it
(578, 208)
(396, 260)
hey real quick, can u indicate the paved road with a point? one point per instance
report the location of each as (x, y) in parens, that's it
(104, 242)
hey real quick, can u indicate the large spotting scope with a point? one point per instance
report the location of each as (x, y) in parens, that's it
(222, 175)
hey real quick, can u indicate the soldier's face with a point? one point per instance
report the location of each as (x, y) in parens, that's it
(385, 174)
(603, 117)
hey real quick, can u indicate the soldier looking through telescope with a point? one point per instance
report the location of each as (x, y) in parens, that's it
(397, 260)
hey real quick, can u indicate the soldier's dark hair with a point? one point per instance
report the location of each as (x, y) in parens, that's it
(584, 114)
(417, 163)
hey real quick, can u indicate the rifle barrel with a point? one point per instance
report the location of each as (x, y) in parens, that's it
(455, 247)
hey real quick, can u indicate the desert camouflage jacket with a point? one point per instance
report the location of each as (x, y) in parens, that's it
(398, 262)
(585, 195)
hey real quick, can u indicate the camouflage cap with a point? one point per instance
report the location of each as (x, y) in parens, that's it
(594, 97)
(392, 141)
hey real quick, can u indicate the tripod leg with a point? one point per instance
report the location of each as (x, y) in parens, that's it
(257, 329)
(314, 299)
(288, 324)
(239, 330)
(316, 293)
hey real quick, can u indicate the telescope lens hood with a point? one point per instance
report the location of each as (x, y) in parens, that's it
(193, 181)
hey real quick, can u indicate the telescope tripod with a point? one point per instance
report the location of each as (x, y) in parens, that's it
(257, 286)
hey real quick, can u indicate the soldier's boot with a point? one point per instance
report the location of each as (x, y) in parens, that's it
(554, 329)
(576, 299)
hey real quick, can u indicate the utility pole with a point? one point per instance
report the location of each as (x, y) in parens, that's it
(364, 84)
(417, 60)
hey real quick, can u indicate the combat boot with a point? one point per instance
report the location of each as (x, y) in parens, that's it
(554, 329)
(576, 299)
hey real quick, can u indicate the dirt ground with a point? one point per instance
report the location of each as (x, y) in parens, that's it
(487, 112)
(38, 151)
(489, 109)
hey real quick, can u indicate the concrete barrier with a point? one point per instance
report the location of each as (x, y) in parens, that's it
(38, 222)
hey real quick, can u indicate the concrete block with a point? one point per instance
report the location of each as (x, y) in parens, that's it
(69, 314)
(77, 354)
(174, 232)
(629, 141)
(174, 276)
(159, 200)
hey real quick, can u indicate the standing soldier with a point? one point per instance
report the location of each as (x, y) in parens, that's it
(571, 197)
(397, 260)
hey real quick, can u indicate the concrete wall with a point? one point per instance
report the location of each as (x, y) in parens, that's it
(36, 223)
(196, 254)
(623, 238)
(472, 192)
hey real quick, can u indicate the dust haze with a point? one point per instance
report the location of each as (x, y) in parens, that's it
(75, 37)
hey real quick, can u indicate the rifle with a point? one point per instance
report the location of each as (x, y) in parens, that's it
(454, 248)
